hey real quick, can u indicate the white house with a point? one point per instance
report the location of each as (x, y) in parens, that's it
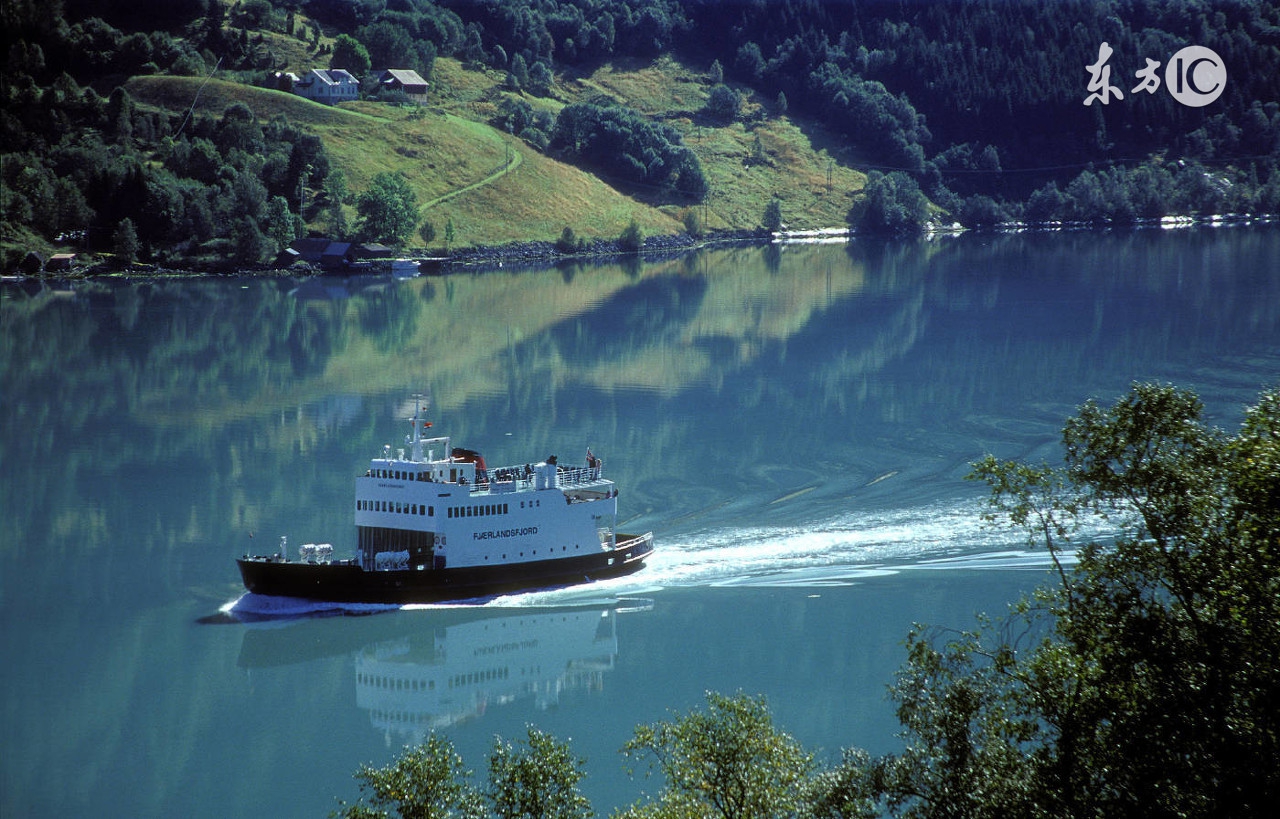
(329, 86)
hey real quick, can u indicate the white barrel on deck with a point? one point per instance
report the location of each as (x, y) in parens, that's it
(545, 476)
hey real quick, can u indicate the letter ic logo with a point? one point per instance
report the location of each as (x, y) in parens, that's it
(1195, 76)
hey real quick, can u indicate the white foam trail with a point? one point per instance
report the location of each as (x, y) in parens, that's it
(268, 607)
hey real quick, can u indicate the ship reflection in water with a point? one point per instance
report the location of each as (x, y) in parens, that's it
(417, 671)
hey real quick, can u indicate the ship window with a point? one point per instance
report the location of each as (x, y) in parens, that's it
(431, 511)
(413, 509)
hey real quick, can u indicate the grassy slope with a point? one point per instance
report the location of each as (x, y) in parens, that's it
(455, 161)
(791, 160)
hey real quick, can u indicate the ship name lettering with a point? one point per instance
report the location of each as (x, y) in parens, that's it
(490, 535)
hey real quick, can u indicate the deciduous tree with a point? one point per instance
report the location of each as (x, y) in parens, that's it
(425, 782)
(1145, 682)
(388, 209)
(728, 761)
(536, 779)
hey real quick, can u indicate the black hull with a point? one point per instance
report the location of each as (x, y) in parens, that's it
(346, 582)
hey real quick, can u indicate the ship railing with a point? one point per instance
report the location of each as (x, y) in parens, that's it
(516, 478)
(575, 476)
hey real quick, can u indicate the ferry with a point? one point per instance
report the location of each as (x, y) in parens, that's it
(437, 523)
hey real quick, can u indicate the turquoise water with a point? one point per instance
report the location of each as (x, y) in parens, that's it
(792, 423)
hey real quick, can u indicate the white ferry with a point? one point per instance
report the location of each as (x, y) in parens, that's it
(437, 523)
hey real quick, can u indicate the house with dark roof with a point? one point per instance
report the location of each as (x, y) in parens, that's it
(330, 86)
(406, 80)
(60, 261)
(326, 253)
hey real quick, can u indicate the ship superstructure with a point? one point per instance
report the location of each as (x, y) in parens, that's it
(434, 521)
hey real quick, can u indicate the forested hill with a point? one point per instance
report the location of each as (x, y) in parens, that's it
(969, 110)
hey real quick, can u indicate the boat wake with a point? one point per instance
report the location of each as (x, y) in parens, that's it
(250, 607)
(842, 551)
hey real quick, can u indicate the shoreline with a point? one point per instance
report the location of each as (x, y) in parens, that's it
(541, 254)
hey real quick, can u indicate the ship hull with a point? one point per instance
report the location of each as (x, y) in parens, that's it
(347, 582)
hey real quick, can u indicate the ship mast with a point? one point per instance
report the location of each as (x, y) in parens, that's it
(416, 438)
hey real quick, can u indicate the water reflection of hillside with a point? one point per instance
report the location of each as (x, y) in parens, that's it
(417, 671)
(693, 326)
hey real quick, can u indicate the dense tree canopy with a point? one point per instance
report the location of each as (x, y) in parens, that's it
(622, 145)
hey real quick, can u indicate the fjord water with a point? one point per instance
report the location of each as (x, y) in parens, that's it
(793, 423)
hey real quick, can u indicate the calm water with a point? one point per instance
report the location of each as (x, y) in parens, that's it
(792, 424)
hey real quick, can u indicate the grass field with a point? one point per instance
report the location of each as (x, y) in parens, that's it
(495, 189)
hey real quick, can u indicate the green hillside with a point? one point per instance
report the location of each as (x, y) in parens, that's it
(495, 188)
